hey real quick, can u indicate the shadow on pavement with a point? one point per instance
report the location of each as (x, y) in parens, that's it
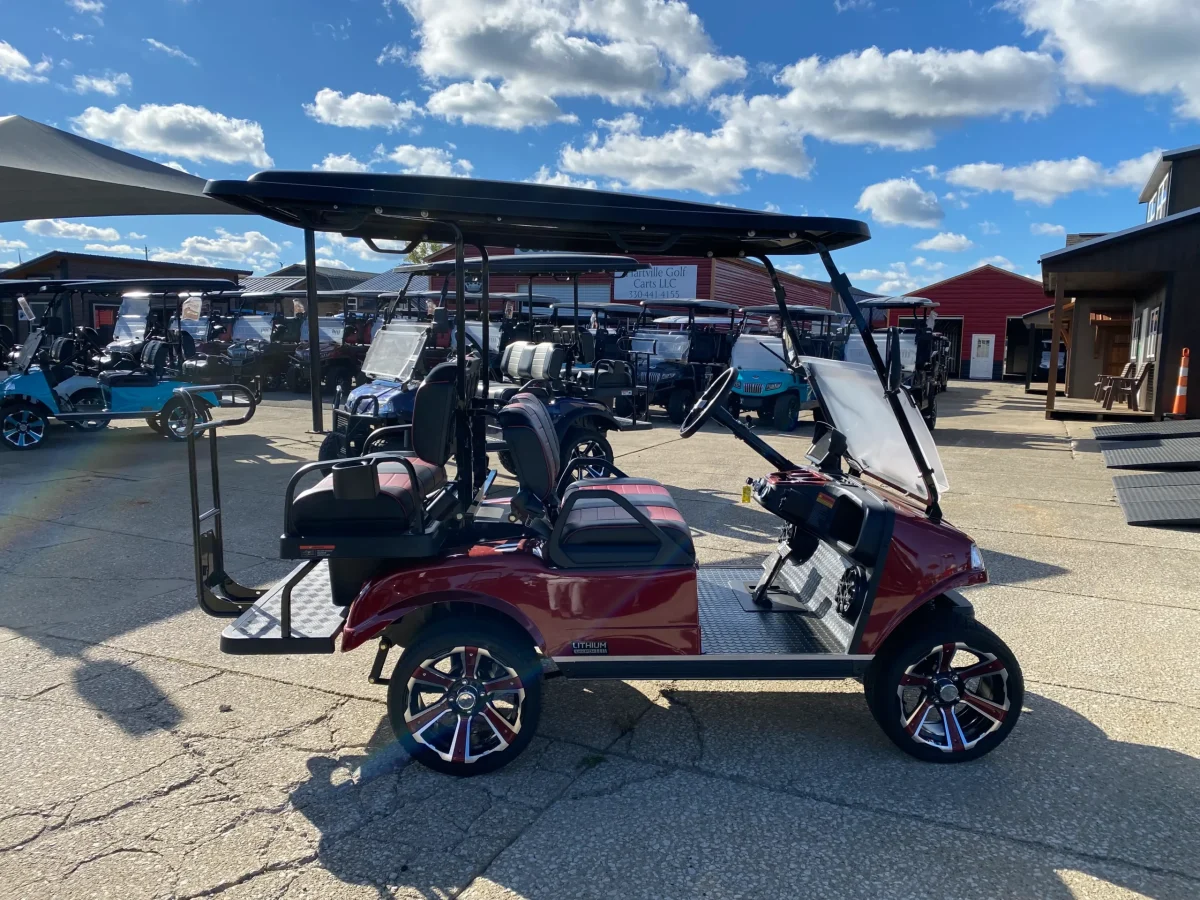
(1004, 568)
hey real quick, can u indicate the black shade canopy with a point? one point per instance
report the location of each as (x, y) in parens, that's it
(712, 305)
(795, 311)
(531, 264)
(897, 303)
(610, 308)
(528, 216)
(32, 286)
(153, 286)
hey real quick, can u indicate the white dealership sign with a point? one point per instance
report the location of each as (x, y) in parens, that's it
(656, 283)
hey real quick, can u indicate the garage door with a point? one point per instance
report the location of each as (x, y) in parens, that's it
(588, 293)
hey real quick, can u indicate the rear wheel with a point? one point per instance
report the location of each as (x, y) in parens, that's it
(333, 446)
(153, 422)
(679, 403)
(786, 412)
(22, 426)
(930, 413)
(173, 420)
(466, 696)
(87, 400)
(949, 693)
(293, 380)
(585, 442)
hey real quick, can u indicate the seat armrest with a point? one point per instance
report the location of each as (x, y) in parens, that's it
(554, 548)
(383, 433)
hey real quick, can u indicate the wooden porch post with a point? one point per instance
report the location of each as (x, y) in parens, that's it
(1055, 337)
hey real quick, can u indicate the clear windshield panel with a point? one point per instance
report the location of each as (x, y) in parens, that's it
(856, 350)
(671, 346)
(329, 330)
(251, 328)
(854, 402)
(475, 330)
(758, 353)
(395, 350)
(131, 319)
(197, 328)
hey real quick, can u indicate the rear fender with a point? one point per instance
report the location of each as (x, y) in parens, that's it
(574, 412)
(402, 619)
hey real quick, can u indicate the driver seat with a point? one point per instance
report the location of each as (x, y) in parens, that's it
(588, 526)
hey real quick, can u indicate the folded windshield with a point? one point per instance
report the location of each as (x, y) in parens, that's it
(671, 346)
(853, 400)
(395, 350)
(251, 328)
(758, 353)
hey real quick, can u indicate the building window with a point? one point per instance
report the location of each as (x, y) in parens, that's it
(1152, 334)
(1157, 207)
(1135, 344)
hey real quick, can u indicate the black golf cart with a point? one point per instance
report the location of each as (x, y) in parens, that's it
(599, 577)
(679, 346)
(918, 346)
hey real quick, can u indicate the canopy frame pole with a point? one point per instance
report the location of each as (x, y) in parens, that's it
(1060, 302)
(314, 336)
(462, 418)
(575, 324)
(478, 419)
(841, 284)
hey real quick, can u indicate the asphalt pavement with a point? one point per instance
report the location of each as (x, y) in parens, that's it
(138, 761)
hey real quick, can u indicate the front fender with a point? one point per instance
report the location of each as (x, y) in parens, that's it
(30, 387)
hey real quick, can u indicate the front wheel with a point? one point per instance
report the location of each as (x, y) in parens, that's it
(173, 420)
(583, 443)
(333, 446)
(22, 427)
(678, 404)
(786, 412)
(950, 693)
(466, 696)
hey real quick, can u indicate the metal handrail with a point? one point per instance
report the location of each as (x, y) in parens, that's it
(194, 425)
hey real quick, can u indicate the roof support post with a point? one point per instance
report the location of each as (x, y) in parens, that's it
(314, 335)
(1056, 318)
(465, 391)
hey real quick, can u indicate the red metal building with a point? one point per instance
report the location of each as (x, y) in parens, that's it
(980, 311)
(739, 281)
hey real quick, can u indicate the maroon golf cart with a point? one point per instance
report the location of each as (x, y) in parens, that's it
(484, 596)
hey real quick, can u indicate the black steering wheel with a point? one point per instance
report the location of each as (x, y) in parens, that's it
(712, 398)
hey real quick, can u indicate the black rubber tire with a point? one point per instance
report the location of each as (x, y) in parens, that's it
(623, 407)
(904, 650)
(506, 460)
(786, 412)
(584, 434)
(175, 405)
(153, 422)
(679, 403)
(930, 412)
(293, 380)
(93, 396)
(333, 446)
(30, 416)
(508, 644)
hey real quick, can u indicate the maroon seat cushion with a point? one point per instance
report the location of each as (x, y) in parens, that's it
(317, 511)
(600, 526)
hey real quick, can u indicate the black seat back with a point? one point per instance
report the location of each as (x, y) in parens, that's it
(587, 346)
(433, 411)
(63, 350)
(154, 357)
(532, 444)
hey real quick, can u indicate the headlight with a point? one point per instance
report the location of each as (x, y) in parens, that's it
(977, 560)
(774, 385)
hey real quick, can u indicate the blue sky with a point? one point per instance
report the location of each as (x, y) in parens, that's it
(962, 130)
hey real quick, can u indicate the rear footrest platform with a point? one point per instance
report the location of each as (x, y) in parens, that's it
(315, 621)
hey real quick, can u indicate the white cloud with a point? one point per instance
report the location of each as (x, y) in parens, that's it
(428, 161)
(989, 227)
(111, 83)
(360, 110)
(12, 245)
(682, 159)
(847, 5)
(191, 132)
(922, 263)
(134, 236)
(946, 242)
(480, 103)
(86, 7)
(333, 243)
(75, 231)
(118, 249)
(772, 207)
(391, 53)
(1001, 262)
(895, 279)
(344, 162)
(73, 37)
(1046, 229)
(543, 176)
(171, 51)
(1144, 47)
(178, 167)
(252, 248)
(623, 51)
(957, 200)
(15, 65)
(901, 201)
(1045, 181)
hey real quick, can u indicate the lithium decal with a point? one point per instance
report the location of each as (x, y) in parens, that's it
(589, 648)
(825, 500)
(316, 550)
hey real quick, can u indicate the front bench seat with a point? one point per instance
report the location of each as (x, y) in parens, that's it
(151, 363)
(594, 531)
(321, 511)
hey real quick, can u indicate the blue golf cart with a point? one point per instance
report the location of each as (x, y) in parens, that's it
(765, 383)
(30, 396)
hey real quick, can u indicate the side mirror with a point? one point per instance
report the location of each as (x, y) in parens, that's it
(895, 367)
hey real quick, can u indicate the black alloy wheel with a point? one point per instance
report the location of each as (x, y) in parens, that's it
(22, 426)
(173, 420)
(466, 696)
(333, 446)
(585, 442)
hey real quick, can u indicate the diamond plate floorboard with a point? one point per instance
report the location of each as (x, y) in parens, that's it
(1140, 430)
(1177, 504)
(1166, 453)
(315, 620)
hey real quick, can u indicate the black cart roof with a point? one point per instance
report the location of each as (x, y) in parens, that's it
(897, 303)
(154, 286)
(530, 264)
(587, 306)
(528, 216)
(32, 286)
(795, 311)
(686, 303)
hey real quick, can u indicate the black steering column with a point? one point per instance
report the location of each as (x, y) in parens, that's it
(711, 404)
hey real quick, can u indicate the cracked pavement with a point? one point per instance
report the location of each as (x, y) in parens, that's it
(140, 762)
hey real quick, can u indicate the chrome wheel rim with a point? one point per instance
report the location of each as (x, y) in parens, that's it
(177, 421)
(953, 707)
(464, 705)
(23, 428)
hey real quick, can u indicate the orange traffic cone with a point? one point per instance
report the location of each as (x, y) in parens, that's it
(1180, 408)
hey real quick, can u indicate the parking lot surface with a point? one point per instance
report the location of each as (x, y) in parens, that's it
(140, 762)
